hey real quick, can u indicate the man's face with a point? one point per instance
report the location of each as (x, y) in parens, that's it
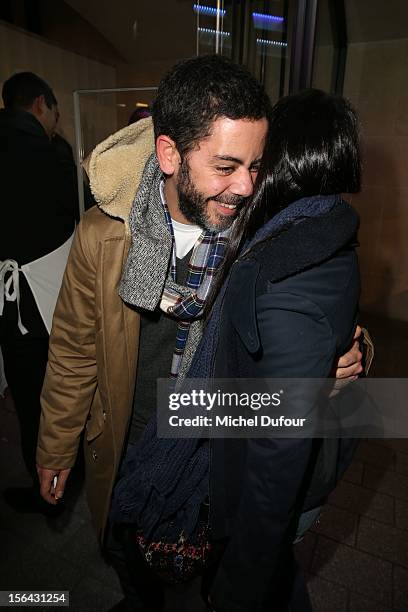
(216, 179)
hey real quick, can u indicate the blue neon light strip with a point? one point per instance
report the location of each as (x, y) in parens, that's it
(273, 43)
(211, 31)
(208, 10)
(266, 17)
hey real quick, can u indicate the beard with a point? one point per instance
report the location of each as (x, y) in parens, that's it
(194, 205)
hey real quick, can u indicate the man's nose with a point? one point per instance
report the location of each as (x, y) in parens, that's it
(243, 183)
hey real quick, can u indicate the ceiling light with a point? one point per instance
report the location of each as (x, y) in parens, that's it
(214, 32)
(273, 43)
(266, 17)
(200, 9)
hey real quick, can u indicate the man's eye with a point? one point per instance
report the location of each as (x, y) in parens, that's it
(224, 169)
(254, 169)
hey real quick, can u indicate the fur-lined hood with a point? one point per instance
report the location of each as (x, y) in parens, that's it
(116, 165)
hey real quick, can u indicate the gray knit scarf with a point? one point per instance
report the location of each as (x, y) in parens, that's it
(146, 271)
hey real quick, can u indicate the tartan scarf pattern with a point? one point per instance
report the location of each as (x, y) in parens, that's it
(207, 255)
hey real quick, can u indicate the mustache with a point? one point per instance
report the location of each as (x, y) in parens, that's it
(233, 200)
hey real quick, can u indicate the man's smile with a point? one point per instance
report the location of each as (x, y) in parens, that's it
(231, 206)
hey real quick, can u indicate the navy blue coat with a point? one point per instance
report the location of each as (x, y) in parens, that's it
(289, 311)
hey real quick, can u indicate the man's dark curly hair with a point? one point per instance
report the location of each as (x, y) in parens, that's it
(198, 91)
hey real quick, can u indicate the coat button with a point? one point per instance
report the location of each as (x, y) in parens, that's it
(94, 455)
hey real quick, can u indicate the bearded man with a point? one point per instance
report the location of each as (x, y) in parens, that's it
(138, 275)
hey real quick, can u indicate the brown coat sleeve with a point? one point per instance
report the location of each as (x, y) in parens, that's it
(70, 379)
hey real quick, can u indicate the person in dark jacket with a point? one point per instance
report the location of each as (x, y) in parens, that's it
(288, 309)
(38, 207)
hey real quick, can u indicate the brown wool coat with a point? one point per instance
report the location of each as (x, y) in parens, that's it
(92, 357)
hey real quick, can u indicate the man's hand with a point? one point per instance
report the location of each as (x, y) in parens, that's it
(349, 365)
(50, 493)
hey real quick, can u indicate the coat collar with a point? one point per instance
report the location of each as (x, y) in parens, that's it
(115, 168)
(305, 243)
(22, 120)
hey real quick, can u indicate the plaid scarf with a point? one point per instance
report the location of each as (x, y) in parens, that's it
(148, 281)
(207, 255)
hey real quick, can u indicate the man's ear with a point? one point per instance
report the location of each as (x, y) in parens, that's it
(167, 154)
(37, 107)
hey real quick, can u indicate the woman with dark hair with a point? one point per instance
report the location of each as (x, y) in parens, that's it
(287, 308)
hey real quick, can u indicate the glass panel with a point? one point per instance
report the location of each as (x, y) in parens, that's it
(214, 27)
(324, 53)
(252, 32)
(267, 44)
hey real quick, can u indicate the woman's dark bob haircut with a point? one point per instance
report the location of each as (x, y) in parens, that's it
(313, 148)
